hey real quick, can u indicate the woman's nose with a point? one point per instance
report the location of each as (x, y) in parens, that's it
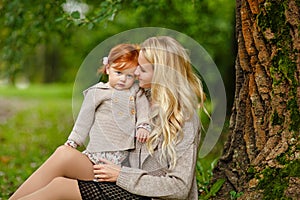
(136, 72)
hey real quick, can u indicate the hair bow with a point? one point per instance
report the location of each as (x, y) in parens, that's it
(105, 60)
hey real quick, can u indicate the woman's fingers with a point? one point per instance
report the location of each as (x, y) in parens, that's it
(100, 174)
(107, 172)
(105, 161)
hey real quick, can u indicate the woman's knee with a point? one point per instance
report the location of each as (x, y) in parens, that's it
(72, 163)
(63, 149)
(65, 157)
(66, 152)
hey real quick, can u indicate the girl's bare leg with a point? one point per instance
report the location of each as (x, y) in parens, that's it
(64, 162)
(58, 188)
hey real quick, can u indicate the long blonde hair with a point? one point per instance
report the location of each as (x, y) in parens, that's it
(176, 92)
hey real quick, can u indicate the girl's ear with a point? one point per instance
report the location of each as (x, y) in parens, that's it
(106, 69)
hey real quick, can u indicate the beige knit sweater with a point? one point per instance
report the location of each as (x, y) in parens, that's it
(151, 176)
(108, 118)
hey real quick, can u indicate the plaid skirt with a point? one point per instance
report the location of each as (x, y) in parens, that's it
(91, 190)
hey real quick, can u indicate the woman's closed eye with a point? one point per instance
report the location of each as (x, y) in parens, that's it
(141, 68)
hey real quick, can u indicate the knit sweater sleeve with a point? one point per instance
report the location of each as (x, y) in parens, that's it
(86, 116)
(142, 110)
(176, 183)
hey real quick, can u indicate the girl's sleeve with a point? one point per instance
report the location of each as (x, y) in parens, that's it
(85, 117)
(177, 182)
(142, 111)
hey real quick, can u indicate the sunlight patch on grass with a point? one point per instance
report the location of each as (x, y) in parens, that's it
(38, 91)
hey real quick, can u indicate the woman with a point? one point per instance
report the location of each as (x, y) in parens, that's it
(164, 168)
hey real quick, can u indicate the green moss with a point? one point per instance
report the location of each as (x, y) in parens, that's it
(298, 3)
(251, 170)
(282, 159)
(276, 119)
(283, 67)
(295, 115)
(282, 64)
(267, 20)
(275, 180)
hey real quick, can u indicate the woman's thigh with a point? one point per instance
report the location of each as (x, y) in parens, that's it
(58, 188)
(72, 163)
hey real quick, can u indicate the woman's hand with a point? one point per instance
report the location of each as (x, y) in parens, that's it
(107, 172)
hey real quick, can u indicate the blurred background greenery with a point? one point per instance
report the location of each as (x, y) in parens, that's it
(42, 45)
(46, 42)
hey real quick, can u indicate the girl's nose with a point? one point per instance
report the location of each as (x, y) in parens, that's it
(123, 78)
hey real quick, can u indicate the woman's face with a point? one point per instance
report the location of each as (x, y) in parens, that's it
(144, 71)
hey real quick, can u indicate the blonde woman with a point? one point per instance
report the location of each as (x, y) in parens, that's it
(164, 167)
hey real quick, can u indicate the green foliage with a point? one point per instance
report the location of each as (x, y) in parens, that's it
(204, 174)
(45, 43)
(26, 24)
(235, 195)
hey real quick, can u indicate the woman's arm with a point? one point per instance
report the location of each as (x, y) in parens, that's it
(176, 183)
(154, 179)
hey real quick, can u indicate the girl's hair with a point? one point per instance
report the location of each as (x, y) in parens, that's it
(176, 92)
(122, 56)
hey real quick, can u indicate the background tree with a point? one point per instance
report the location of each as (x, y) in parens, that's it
(261, 156)
(47, 42)
(27, 37)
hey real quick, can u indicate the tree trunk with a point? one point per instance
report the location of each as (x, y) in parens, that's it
(261, 158)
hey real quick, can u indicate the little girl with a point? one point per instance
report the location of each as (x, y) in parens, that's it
(112, 111)
(110, 115)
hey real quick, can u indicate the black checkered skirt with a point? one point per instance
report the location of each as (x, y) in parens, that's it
(91, 190)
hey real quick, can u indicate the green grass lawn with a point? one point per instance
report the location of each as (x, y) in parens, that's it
(34, 122)
(38, 120)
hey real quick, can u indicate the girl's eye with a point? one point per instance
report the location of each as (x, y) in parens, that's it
(130, 76)
(118, 73)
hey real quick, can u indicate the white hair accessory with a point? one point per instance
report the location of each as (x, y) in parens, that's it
(105, 60)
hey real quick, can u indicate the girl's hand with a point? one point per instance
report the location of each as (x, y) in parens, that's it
(142, 135)
(107, 172)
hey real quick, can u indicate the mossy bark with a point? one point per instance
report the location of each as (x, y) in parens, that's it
(261, 156)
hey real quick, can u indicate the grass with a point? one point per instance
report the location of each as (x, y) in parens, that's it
(39, 119)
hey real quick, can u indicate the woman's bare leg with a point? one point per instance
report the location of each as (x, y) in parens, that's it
(58, 188)
(64, 162)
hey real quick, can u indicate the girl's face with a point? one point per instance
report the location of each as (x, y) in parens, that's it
(120, 79)
(144, 71)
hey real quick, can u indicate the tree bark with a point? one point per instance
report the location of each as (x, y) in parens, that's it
(261, 156)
